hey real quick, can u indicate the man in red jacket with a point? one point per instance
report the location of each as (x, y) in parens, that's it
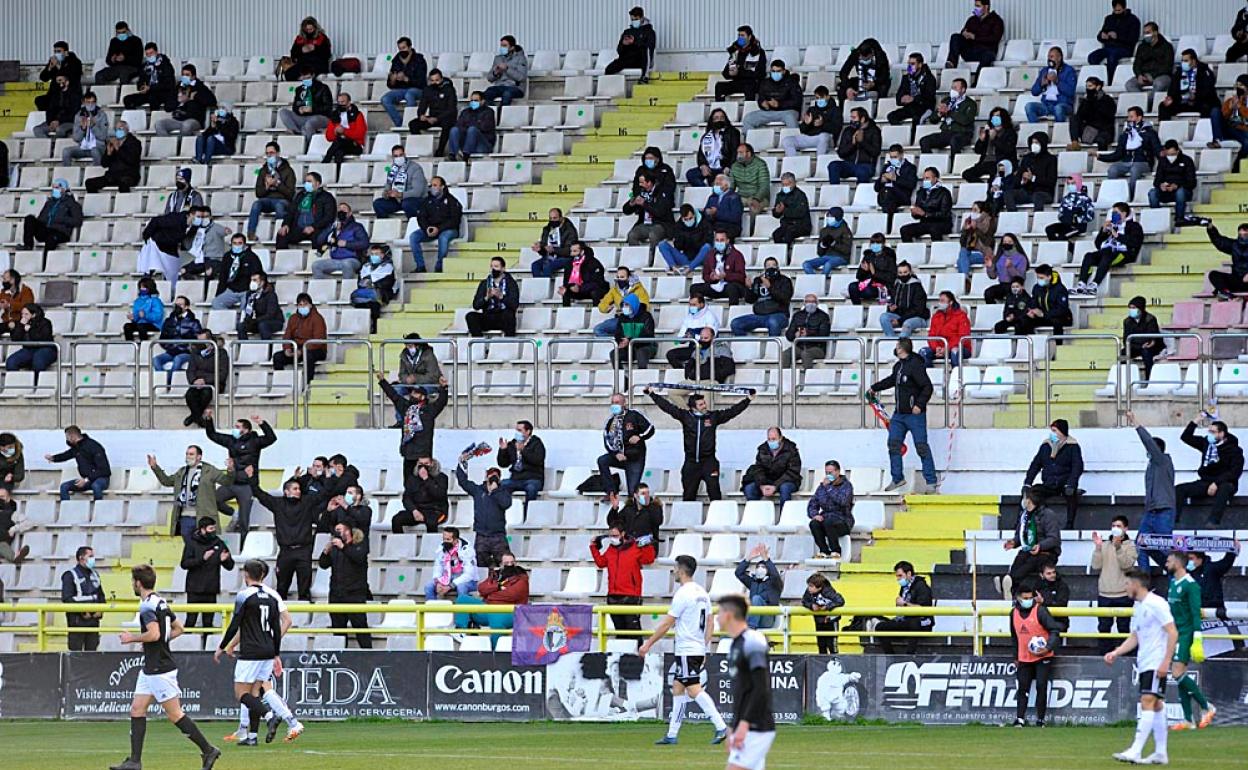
(623, 559)
(347, 131)
(506, 584)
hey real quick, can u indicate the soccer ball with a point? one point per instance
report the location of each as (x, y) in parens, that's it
(1037, 645)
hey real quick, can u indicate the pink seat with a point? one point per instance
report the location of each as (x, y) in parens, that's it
(1188, 349)
(1187, 315)
(1224, 315)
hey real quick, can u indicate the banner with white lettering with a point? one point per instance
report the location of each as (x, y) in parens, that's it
(788, 687)
(100, 685)
(484, 687)
(597, 686)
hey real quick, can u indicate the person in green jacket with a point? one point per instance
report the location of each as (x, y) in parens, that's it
(752, 179)
(956, 117)
(1184, 599)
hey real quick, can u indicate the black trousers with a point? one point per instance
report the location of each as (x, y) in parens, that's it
(788, 232)
(340, 149)
(295, 562)
(746, 86)
(827, 534)
(981, 171)
(140, 331)
(1017, 196)
(158, 99)
(942, 139)
(1227, 282)
(695, 472)
(1199, 490)
(82, 642)
(1039, 673)
(625, 622)
(913, 232)
(353, 619)
(1027, 564)
(889, 643)
(1105, 625)
(827, 644)
(1237, 51)
(34, 230)
(240, 493)
(1064, 232)
(1072, 501)
(629, 61)
(197, 400)
(419, 127)
(1101, 260)
(404, 520)
(110, 178)
(733, 292)
(200, 619)
(912, 111)
(281, 360)
(996, 293)
(479, 322)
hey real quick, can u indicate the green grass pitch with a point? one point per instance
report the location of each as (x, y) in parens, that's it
(52, 745)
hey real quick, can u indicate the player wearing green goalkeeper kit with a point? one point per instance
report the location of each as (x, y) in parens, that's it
(1184, 598)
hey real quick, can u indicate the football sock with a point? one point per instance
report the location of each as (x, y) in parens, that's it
(1193, 689)
(191, 730)
(1161, 731)
(274, 701)
(1185, 700)
(138, 731)
(708, 707)
(678, 714)
(256, 711)
(244, 716)
(1143, 727)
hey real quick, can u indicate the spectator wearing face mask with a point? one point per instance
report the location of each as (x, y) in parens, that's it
(345, 243)
(624, 436)
(1117, 244)
(1075, 211)
(956, 117)
(762, 582)
(950, 331)
(723, 272)
(622, 557)
(157, 83)
(858, 149)
(60, 106)
(779, 99)
(275, 187)
(32, 327)
(717, 149)
(438, 102)
(1217, 477)
(405, 80)
(652, 206)
(699, 427)
(304, 325)
(58, 218)
(1230, 121)
(80, 585)
(439, 219)
(792, 208)
(865, 73)
(489, 511)
(509, 73)
(1052, 302)
(346, 556)
(933, 208)
(1093, 121)
(770, 292)
(1193, 88)
(1059, 463)
(1111, 558)
(898, 179)
(62, 62)
(690, 240)
(835, 246)
(244, 446)
(704, 358)
(1016, 314)
(996, 143)
(626, 284)
(831, 513)
(12, 525)
(819, 125)
(635, 49)
(1136, 152)
(1175, 182)
(425, 499)
(219, 137)
(1227, 284)
(495, 303)
(1120, 31)
(1010, 263)
(554, 245)
(405, 186)
(419, 412)
(90, 132)
(652, 163)
(916, 94)
(375, 287)
(506, 583)
(1000, 184)
(12, 463)
(777, 469)
(1140, 321)
(978, 237)
(202, 247)
(752, 179)
(235, 273)
(1055, 85)
(204, 555)
(146, 315)
(346, 132)
(979, 37)
(724, 209)
(124, 57)
(189, 106)
(634, 322)
(310, 108)
(907, 307)
(914, 391)
(524, 455)
(584, 280)
(122, 161)
(808, 322)
(876, 271)
(746, 66)
(914, 592)
(14, 295)
(311, 213)
(820, 597)
(1153, 62)
(207, 371)
(349, 508)
(311, 51)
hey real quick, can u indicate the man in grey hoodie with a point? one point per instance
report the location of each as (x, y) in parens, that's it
(1159, 503)
(509, 73)
(90, 132)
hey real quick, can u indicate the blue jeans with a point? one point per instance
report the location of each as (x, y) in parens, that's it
(675, 258)
(390, 101)
(275, 206)
(760, 621)
(504, 94)
(929, 357)
(492, 620)
(1110, 55)
(36, 360)
(915, 425)
(388, 207)
(207, 146)
(530, 487)
(469, 141)
(444, 245)
(1179, 197)
(754, 491)
(968, 257)
(431, 592)
(860, 171)
(96, 488)
(775, 323)
(1059, 111)
(546, 267)
(1222, 130)
(825, 264)
(632, 472)
(908, 326)
(170, 363)
(1155, 523)
(607, 328)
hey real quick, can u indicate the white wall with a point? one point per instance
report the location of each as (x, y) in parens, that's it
(246, 28)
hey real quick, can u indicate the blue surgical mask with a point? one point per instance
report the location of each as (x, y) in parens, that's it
(120, 133)
(502, 50)
(518, 436)
(694, 310)
(185, 80)
(616, 409)
(721, 247)
(56, 192)
(1053, 437)
(995, 120)
(307, 82)
(123, 36)
(303, 310)
(1071, 189)
(1212, 439)
(60, 57)
(821, 103)
(197, 221)
(1026, 603)
(786, 188)
(150, 59)
(1133, 312)
(1115, 217)
(237, 248)
(635, 24)
(1191, 565)
(91, 562)
(649, 163)
(832, 221)
(876, 247)
(349, 498)
(474, 105)
(772, 444)
(643, 499)
(741, 40)
(776, 76)
(236, 433)
(1187, 66)
(927, 184)
(903, 582)
(307, 187)
(374, 259)
(271, 160)
(221, 113)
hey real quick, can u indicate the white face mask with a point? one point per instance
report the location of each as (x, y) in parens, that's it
(1035, 148)
(1117, 532)
(611, 541)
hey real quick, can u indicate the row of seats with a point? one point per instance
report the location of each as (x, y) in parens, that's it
(1172, 380)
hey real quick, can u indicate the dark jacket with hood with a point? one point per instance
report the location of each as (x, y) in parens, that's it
(294, 521)
(637, 44)
(63, 214)
(775, 299)
(784, 466)
(348, 580)
(1224, 466)
(690, 240)
(1047, 530)
(664, 176)
(787, 91)
(489, 509)
(1043, 168)
(427, 495)
(317, 96)
(444, 211)
(248, 265)
(699, 429)
(921, 85)
(910, 297)
(751, 61)
(203, 573)
(1053, 298)
(567, 236)
(1181, 171)
(1147, 152)
(865, 152)
(1097, 112)
(244, 450)
(439, 102)
(768, 588)
(1059, 465)
(1234, 248)
(1206, 96)
(885, 264)
(324, 209)
(416, 438)
(853, 70)
(1001, 147)
(909, 377)
(729, 143)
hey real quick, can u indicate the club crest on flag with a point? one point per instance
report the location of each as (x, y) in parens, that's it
(552, 632)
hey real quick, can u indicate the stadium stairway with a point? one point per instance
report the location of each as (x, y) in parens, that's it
(432, 301)
(1174, 271)
(926, 533)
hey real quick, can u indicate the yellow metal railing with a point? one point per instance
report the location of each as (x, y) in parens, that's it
(44, 628)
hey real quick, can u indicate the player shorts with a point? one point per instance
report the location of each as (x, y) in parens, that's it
(753, 753)
(688, 669)
(1183, 650)
(162, 687)
(1152, 684)
(253, 670)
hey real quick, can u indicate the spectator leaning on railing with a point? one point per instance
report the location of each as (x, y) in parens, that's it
(914, 592)
(762, 582)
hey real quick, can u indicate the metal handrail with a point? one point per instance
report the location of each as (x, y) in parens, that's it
(875, 365)
(1207, 358)
(134, 389)
(306, 385)
(1050, 346)
(530, 342)
(452, 380)
(861, 342)
(1200, 366)
(57, 390)
(551, 345)
(151, 365)
(777, 341)
(236, 347)
(1027, 383)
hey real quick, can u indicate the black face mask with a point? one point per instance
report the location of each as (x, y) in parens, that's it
(496, 272)
(446, 547)
(342, 216)
(772, 272)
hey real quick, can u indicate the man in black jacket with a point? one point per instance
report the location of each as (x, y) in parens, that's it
(309, 110)
(1225, 284)
(1059, 463)
(94, 472)
(779, 99)
(439, 219)
(770, 292)
(60, 109)
(204, 555)
(554, 246)
(311, 213)
(1118, 243)
(124, 56)
(820, 124)
(406, 80)
(489, 512)
(1136, 152)
(525, 455)
(1052, 591)
(495, 303)
(809, 321)
(1037, 538)
(80, 584)
(1221, 465)
(624, 436)
(933, 207)
(294, 525)
(1035, 179)
(243, 445)
(745, 68)
(1093, 120)
(898, 179)
(189, 107)
(122, 161)
(916, 93)
(1175, 182)
(238, 265)
(914, 390)
(700, 426)
(156, 82)
(857, 148)
(261, 312)
(635, 51)
(915, 592)
(653, 208)
(437, 109)
(640, 518)
(419, 411)
(346, 554)
(777, 469)
(424, 498)
(907, 310)
(1209, 574)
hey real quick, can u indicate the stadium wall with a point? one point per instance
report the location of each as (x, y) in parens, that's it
(335, 685)
(244, 28)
